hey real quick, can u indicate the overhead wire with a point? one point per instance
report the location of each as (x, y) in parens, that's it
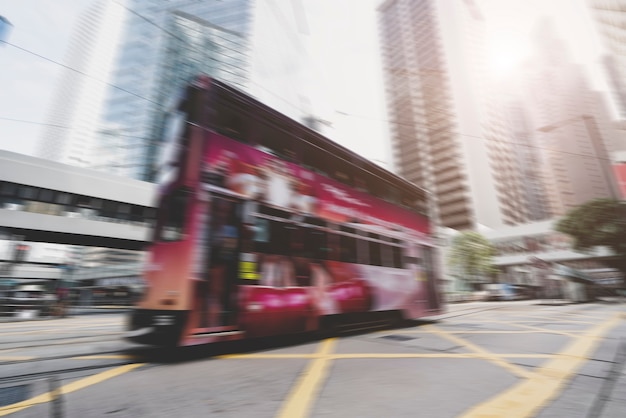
(443, 111)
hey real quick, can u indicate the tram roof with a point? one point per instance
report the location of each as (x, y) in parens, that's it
(314, 138)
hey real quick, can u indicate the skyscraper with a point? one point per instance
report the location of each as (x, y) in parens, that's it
(254, 46)
(451, 128)
(573, 124)
(419, 99)
(163, 45)
(526, 162)
(73, 118)
(610, 16)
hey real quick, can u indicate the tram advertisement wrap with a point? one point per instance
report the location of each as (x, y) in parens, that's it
(326, 287)
(260, 175)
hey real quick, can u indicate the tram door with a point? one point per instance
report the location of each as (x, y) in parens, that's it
(223, 255)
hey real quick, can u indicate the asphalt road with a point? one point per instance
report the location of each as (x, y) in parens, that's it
(497, 359)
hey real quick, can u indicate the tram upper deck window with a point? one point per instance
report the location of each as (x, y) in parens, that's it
(173, 212)
(348, 246)
(375, 250)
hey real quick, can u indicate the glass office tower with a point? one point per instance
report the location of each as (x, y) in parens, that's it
(163, 45)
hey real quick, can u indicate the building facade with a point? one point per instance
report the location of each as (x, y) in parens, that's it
(5, 28)
(572, 124)
(71, 132)
(163, 46)
(424, 137)
(610, 17)
(535, 255)
(142, 53)
(455, 130)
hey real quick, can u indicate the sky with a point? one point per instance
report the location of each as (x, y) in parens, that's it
(343, 36)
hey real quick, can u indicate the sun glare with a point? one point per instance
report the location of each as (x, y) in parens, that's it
(504, 56)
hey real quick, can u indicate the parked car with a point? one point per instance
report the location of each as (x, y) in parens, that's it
(500, 291)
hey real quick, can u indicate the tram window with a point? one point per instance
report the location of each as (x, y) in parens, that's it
(334, 245)
(261, 236)
(174, 210)
(278, 239)
(375, 251)
(315, 244)
(412, 260)
(362, 249)
(397, 256)
(386, 255)
(348, 247)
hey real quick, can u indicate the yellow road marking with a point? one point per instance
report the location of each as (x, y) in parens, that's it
(547, 320)
(526, 398)
(298, 403)
(105, 357)
(379, 355)
(539, 329)
(15, 358)
(481, 332)
(518, 371)
(69, 388)
(268, 356)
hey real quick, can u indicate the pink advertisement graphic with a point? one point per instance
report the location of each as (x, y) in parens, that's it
(260, 175)
(303, 286)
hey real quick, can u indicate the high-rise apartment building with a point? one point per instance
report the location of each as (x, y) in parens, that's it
(610, 17)
(425, 142)
(572, 122)
(526, 161)
(487, 137)
(452, 130)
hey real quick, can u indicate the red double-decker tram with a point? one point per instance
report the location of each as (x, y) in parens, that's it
(265, 227)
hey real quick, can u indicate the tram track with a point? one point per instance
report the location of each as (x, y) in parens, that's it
(27, 377)
(13, 345)
(68, 356)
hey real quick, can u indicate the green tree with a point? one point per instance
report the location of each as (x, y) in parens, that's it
(472, 255)
(599, 222)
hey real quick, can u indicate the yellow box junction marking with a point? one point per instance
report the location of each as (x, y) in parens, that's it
(518, 371)
(69, 388)
(526, 398)
(540, 329)
(298, 403)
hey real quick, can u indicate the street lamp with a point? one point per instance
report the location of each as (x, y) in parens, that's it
(596, 141)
